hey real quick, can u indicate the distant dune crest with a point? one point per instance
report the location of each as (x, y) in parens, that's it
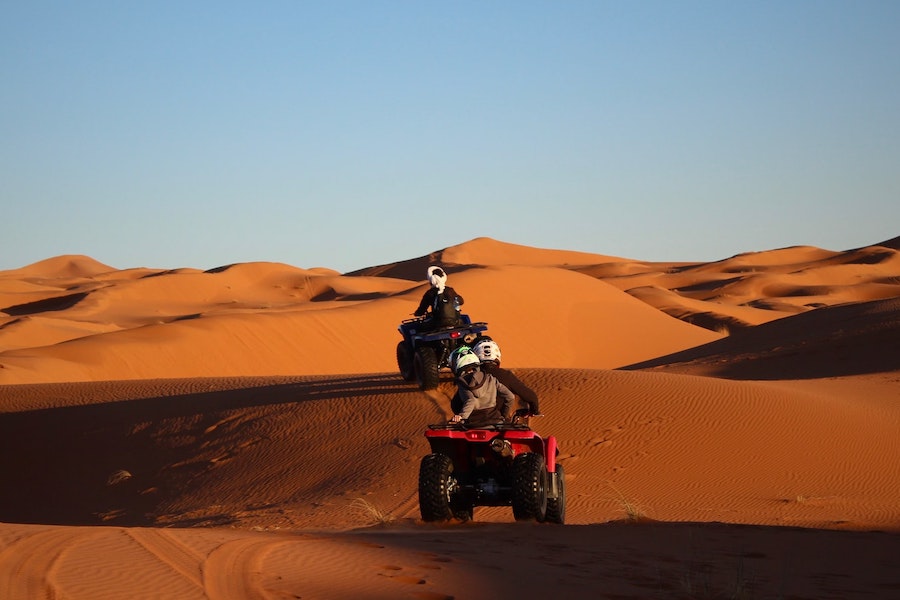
(551, 308)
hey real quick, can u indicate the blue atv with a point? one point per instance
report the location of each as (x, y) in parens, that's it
(424, 351)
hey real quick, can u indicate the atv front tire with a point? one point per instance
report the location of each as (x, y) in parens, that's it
(529, 493)
(405, 361)
(426, 368)
(436, 486)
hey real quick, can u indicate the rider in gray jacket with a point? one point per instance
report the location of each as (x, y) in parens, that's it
(484, 399)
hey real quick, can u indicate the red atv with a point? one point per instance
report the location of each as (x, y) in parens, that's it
(506, 464)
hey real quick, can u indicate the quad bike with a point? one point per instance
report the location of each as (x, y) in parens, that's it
(423, 352)
(506, 464)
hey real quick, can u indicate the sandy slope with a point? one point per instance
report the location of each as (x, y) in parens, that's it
(270, 319)
(240, 433)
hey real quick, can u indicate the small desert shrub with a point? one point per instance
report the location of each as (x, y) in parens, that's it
(633, 511)
(369, 512)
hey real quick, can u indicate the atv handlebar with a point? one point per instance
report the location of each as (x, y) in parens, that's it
(523, 414)
(491, 427)
(519, 420)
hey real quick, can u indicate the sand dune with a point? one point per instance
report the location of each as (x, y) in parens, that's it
(728, 429)
(754, 288)
(270, 319)
(848, 339)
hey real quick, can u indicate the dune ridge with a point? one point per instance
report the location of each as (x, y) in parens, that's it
(152, 324)
(728, 429)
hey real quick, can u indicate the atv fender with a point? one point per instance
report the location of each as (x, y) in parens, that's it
(550, 452)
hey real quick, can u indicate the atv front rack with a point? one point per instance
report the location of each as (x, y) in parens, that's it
(516, 426)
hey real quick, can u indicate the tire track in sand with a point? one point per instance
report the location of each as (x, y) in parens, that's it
(233, 571)
(30, 562)
(172, 553)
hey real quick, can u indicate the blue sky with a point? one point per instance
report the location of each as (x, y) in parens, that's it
(347, 134)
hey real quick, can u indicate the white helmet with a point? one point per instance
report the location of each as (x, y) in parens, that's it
(461, 358)
(487, 350)
(437, 277)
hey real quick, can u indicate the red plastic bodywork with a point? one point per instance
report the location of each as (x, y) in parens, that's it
(460, 443)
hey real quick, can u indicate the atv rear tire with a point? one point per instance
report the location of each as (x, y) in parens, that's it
(556, 507)
(436, 486)
(426, 368)
(405, 361)
(529, 493)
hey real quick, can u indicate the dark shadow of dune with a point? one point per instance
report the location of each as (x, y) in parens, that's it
(45, 305)
(707, 286)
(412, 270)
(220, 269)
(161, 273)
(848, 339)
(708, 319)
(656, 559)
(777, 305)
(893, 243)
(189, 317)
(869, 256)
(330, 294)
(58, 464)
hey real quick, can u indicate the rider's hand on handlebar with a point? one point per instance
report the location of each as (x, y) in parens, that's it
(456, 419)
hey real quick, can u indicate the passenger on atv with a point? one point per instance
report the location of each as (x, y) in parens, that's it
(488, 352)
(483, 399)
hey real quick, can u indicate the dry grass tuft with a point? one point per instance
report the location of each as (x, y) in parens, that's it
(369, 512)
(634, 513)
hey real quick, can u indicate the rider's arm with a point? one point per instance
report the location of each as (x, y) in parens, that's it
(528, 395)
(505, 400)
(427, 299)
(468, 403)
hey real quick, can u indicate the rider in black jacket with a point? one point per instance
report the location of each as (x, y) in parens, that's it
(440, 302)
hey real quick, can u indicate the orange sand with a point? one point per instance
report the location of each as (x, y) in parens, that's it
(728, 429)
